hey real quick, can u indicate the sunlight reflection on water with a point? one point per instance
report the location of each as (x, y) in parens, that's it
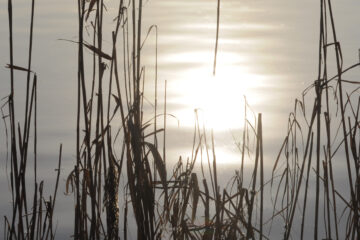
(267, 51)
(220, 98)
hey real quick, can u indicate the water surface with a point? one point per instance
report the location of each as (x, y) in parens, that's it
(267, 52)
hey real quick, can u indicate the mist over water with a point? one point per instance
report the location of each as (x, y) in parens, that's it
(267, 52)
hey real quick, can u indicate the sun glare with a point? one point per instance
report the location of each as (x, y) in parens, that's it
(219, 98)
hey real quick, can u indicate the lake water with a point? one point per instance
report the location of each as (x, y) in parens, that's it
(267, 51)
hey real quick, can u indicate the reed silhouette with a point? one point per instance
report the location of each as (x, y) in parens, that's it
(183, 203)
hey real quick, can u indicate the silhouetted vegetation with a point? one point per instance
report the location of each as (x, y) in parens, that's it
(184, 203)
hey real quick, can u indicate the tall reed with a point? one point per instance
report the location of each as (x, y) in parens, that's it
(184, 202)
(329, 98)
(29, 220)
